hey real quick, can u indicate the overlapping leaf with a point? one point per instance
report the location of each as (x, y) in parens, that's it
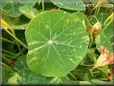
(76, 5)
(21, 63)
(28, 11)
(25, 76)
(11, 7)
(106, 38)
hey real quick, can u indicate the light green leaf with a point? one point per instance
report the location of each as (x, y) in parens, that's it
(57, 43)
(106, 38)
(14, 79)
(76, 5)
(11, 7)
(20, 27)
(28, 11)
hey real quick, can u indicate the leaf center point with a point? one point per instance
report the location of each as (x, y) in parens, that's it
(50, 42)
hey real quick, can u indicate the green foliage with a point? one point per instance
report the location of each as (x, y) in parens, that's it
(76, 5)
(28, 11)
(55, 42)
(11, 7)
(21, 63)
(106, 38)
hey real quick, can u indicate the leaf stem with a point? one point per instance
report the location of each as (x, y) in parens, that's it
(4, 39)
(91, 39)
(9, 56)
(19, 41)
(109, 18)
(6, 51)
(72, 76)
(7, 66)
(42, 5)
(6, 59)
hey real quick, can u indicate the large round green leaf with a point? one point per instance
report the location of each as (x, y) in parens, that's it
(57, 43)
(76, 5)
(106, 38)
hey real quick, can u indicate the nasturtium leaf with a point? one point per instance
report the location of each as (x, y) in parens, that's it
(21, 63)
(28, 77)
(11, 7)
(25, 76)
(28, 11)
(20, 27)
(101, 17)
(106, 38)
(76, 5)
(80, 15)
(14, 79)
(6, 74)
(57, 43)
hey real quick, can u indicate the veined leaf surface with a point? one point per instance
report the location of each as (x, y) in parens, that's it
(57, 43)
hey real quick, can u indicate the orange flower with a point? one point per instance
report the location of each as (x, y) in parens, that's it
(89, 27)
(95, 28)
(105, 58)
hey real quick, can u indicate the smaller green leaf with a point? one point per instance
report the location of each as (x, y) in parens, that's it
(101, 17)
(106, 38)
(11, 7)
(76, 5)
(6, 74)
(28, 11)
(26, 76)
(21, 63)
(14, 79)
(19, 27)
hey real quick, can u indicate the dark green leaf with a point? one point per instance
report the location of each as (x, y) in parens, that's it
(98, 17)
(11, 7)
(26, 76)
(21, 63)
(6, 74)
(106, 38)
(76, 5)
